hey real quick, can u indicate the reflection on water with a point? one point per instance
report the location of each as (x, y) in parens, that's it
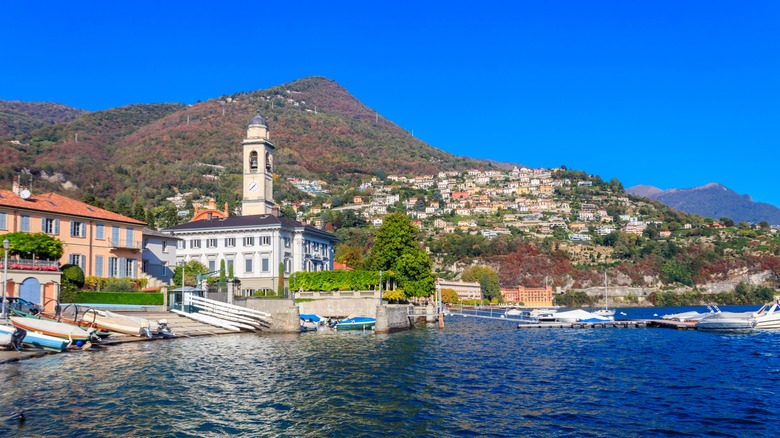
(475, 378)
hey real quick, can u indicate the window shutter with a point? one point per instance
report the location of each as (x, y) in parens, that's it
(56, 227)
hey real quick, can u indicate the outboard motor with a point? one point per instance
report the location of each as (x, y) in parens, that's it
(17, 337)
(163, 329)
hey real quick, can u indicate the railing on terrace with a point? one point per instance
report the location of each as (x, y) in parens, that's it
(31, 265)
(337, 294)
(124, 243)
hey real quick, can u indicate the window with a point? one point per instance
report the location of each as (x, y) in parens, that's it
(229, 267)
(249, 241)
(286, 242)
(194, 243)
(130, 268)
(24, 223)
(76, 259)
(100, 231)
(181, 244)
(211, 243)
(129, 237)
(230, 242)
(98, 266)
(115, 236)
(145, 265)
(50, 226)
(264, 265)
(266, 240)
(164, 270)
(113, 267)
(78, 229)
(2, 220)
(164, 246)
(212, 265)
(248, 265)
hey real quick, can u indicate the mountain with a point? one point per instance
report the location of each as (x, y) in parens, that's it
(18, 118)
(712, 200)
(148, 152)
(644, 191)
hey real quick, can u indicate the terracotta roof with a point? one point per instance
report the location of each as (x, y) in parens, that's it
(255, 220)
(54, 203)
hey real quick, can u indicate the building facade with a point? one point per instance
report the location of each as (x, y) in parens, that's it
(158, 258)
(466, 290)
(529, 296)
(102, 243)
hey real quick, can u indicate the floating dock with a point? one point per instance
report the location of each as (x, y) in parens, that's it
(604, 324)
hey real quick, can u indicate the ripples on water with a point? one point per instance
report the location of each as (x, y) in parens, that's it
(475, 378)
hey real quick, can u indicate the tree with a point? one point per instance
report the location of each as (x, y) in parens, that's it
(414, 274)
(34, 245)
(149, 219)
(396, 248)
(280, 287)
(138, 212)
(487, 279)
(394, 238)
(449, 296)
(191, 270)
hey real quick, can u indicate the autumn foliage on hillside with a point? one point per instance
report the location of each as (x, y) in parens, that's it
(150, 152)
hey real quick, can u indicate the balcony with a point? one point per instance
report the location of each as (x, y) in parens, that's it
(125, 244)
(31, 265)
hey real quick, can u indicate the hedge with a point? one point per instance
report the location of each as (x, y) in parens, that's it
(138, 298)
(338, 280)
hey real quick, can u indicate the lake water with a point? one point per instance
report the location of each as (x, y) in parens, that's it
(477, 377)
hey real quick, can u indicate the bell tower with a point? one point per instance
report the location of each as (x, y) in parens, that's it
(258, 153)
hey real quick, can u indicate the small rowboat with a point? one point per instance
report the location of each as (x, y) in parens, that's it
(38, 340)
(115, 322)
(52, 328)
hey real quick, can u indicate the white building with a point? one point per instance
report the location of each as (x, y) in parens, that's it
(253, 246)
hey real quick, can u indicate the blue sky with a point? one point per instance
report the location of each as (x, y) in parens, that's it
(664, 93)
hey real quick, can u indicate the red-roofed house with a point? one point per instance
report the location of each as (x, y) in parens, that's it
(101, 242)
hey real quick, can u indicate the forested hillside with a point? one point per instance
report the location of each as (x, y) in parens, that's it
(17, 118)
(145, 153)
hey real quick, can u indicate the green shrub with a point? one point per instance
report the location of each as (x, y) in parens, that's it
(119, 285)
(72, 276)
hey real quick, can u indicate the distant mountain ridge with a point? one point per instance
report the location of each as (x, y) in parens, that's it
(18, 118)
(712, 200)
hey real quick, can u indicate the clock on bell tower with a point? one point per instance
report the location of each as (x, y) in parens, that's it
(258, 154)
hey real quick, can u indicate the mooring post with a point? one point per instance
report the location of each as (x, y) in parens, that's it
(439, 307)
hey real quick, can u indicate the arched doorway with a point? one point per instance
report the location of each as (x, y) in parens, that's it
(30, 290)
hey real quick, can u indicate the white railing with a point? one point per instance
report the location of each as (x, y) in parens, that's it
(31, 264)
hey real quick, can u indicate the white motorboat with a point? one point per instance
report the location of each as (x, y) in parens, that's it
(691, 316)
(576, 315)
(768, 316)
(727, 321)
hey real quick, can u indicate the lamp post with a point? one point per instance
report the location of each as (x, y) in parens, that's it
(6, 245)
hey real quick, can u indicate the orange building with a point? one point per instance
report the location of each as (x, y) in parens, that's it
(529, 296)
(102, 243)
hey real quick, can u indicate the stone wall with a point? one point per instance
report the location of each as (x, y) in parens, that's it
(392, 318)
(284, 313)
(341, 307)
